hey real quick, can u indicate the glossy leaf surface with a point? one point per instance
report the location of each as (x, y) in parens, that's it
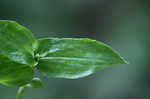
(16, 54)
(74, 58)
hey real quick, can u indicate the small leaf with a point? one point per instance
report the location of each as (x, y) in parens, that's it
(35, 83)
(74, 58)
(17, 46)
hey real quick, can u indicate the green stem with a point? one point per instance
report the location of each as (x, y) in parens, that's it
(20, 92)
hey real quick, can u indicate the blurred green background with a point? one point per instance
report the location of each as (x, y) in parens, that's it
(122, 24)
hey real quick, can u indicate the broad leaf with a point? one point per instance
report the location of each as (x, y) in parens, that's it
(74, 58)
(16, 54)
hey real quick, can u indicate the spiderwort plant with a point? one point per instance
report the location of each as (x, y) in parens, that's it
(70, 58)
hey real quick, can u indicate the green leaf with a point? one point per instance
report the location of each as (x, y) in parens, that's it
(13, 73)
(35, 83)
(74, 58)
(17, 46)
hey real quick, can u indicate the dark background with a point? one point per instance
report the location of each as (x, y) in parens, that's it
(122, 24)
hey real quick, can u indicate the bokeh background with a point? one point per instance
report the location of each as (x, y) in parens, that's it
(122, 24)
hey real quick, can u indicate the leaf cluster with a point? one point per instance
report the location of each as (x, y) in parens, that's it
(71, 58)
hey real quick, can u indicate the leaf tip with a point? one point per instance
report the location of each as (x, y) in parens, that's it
(123, 61)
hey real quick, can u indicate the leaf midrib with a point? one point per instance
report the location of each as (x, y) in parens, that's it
(75, 58)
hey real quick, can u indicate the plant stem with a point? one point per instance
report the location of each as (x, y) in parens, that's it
(20, 92)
